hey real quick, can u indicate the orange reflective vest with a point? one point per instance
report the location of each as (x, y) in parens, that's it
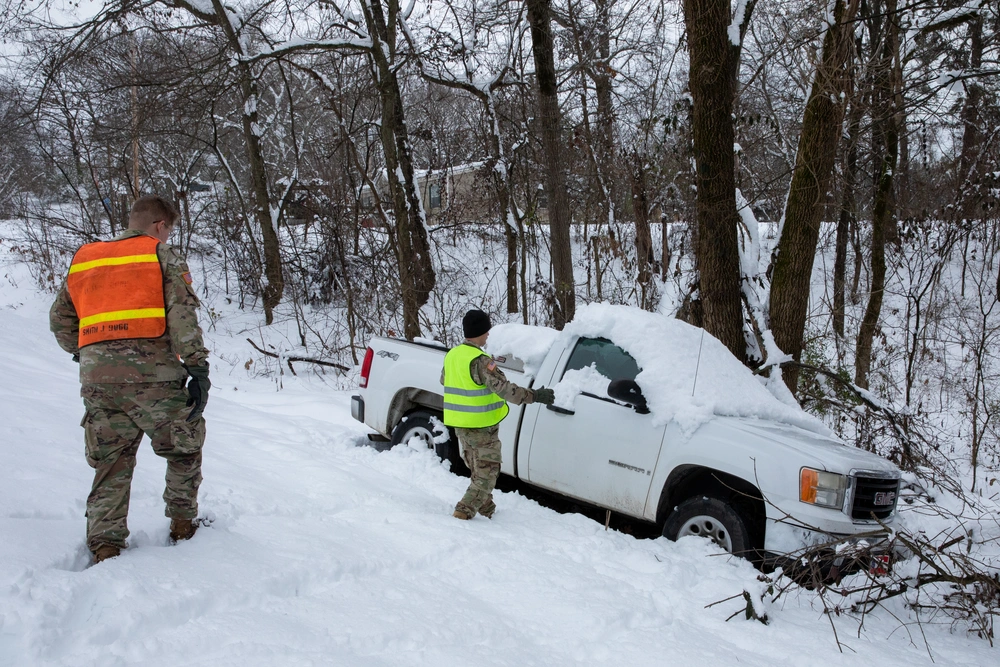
(117, 290)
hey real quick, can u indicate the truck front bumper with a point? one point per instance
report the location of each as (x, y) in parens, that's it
(832, 561)
(808, 554)
(358, 408)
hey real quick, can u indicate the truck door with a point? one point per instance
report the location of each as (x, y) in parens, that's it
(602, 451)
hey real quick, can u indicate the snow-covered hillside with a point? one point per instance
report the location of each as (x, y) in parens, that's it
(324, 551)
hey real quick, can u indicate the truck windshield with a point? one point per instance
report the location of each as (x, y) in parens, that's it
(612, 362)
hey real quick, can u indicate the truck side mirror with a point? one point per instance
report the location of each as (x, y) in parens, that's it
(627, 391)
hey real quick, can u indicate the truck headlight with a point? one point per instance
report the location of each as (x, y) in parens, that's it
(826, 489)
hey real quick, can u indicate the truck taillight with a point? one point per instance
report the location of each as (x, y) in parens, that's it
(366, 367)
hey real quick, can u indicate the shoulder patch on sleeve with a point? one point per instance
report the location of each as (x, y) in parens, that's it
(491, 366)
(187, 277)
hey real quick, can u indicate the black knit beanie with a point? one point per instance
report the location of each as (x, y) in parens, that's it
(476, 323)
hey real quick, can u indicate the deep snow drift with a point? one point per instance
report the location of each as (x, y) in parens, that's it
(323, 551)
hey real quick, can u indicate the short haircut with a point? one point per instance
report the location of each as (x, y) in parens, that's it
(150, 209)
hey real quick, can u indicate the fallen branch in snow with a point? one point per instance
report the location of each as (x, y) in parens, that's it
(910, 446)
(289, 360)
(945, 576)
(953, 574)
(750, 610)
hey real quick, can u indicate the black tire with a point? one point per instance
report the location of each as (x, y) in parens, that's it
(712, 518)
(422, 425)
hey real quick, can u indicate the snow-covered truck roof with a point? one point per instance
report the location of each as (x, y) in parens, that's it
(678, 386)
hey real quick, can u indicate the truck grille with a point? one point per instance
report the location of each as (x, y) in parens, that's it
(874, 497)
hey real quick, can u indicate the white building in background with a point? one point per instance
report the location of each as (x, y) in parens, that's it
(454, 195)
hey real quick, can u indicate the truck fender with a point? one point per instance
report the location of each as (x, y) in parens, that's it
(742, 495)
(408, 399)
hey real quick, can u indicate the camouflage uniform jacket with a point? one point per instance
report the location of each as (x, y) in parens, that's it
(486, 371)
(160, 359)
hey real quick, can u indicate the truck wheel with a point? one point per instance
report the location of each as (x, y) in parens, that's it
(712, 518)
(422, 425)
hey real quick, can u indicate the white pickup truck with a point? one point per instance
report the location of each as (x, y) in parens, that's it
(654, 420)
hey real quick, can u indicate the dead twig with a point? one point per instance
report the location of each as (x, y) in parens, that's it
(290, 359)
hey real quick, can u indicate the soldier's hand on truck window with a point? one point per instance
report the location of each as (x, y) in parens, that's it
(544, 395)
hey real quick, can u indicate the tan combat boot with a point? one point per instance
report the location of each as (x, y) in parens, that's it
(104, 552)
(459, 514)
(182, 529)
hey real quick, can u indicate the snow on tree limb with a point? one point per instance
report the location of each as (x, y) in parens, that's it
(310, 46)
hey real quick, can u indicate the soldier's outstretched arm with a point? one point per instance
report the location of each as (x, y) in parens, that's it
(490, 374)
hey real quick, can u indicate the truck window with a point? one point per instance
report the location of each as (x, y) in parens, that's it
(612, 362)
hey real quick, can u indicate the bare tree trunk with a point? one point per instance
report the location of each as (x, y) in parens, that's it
(273, 271)
(510, 236)
(134, 97)
(811, 179)
(595, 242)
(859, 260)
(847, 219)
(665, 256)
(840, 263)
(523, 275)
(967, 182)
(509, 218)
(416, 272)
(605, 109)
(972, 135)
(275, 286)
(886, 86)
(643, 235)
(712, 82)
(549, 120)
(592, 43)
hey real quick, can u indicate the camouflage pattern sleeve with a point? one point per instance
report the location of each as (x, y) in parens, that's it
(486, 371)
(182, 309)
(64, 323)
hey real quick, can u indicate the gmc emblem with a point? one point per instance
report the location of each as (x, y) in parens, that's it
(883, 498)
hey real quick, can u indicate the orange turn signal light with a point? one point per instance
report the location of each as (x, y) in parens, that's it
(808, 482)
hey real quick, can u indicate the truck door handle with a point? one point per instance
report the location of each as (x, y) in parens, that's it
(562, 411)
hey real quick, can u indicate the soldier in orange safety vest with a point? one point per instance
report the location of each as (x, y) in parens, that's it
(128, 314)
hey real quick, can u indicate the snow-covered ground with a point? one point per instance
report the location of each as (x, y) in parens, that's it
(324, 551)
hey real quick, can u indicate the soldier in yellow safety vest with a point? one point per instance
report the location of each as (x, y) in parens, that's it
(475, 402)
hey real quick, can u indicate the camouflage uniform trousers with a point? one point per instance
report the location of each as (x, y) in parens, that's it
(481, 451)
(116, 418)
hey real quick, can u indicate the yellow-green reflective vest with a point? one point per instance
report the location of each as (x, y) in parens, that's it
(467, 404)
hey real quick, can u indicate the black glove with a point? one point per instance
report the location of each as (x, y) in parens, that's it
(544, 395)
(197, 387)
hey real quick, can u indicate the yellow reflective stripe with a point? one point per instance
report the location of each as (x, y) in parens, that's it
(468, 392)
(483, 399)
(490, 407)
(113, 261)
(137, 314)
